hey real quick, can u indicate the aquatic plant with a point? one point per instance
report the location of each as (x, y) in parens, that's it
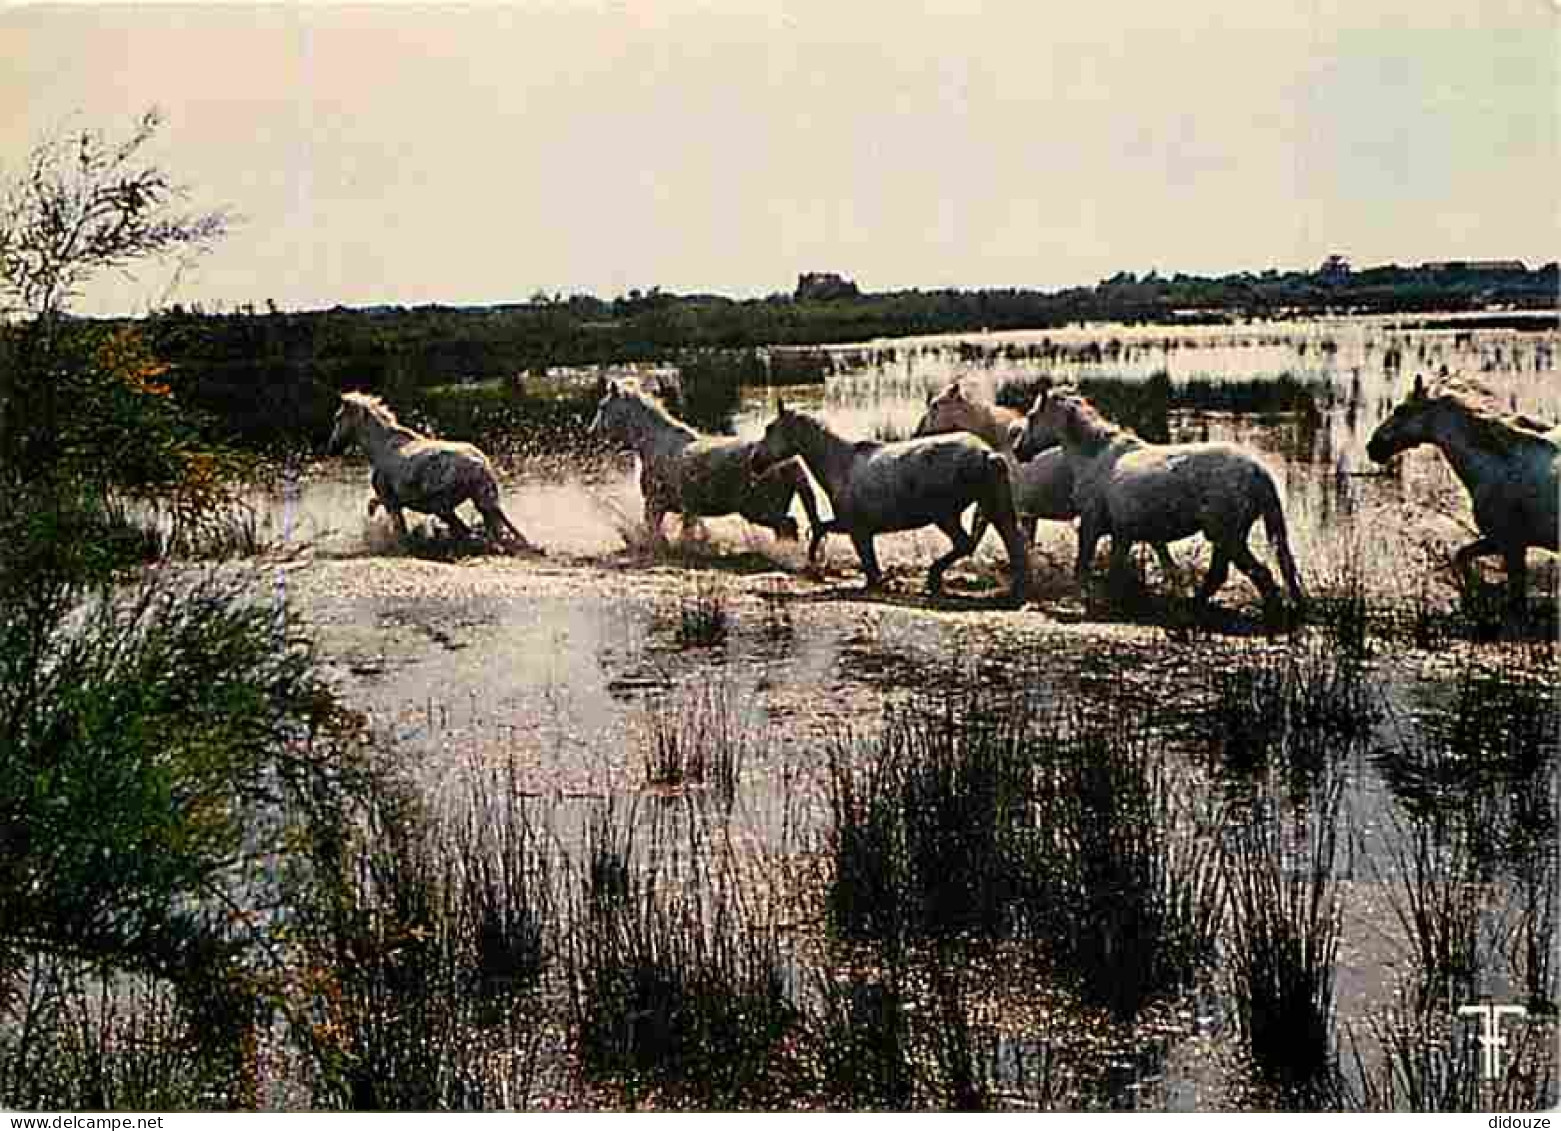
(1285, 933)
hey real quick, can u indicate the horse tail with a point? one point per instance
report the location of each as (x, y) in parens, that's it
(998, 509)
(1275, 528)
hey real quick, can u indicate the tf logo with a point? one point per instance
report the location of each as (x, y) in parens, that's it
(1490, 1038)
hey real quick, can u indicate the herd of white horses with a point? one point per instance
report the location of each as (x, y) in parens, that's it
(1060, 461)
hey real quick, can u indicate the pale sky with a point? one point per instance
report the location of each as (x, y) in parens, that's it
(478, 154)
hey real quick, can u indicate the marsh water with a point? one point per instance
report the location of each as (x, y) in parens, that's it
(561, 666)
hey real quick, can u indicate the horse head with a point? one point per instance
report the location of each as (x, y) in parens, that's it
(777, 443)
(1039, 429)
(947, 411)
(1405, 427)
(345, 425)
(608, 391)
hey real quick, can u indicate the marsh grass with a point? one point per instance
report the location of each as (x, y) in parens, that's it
(676, 984)
(697, 738)
(1428, 1059)
(919, 832)
(1438, 902)
(1472, 860)
(863, 1033)
(711, 386)
(1125, 884)
(1146, 405)
(976, 815)
(704, 616)
(1285, 929)
(145, 533)
(83, 1035)
(1301, 708)
(419, 953)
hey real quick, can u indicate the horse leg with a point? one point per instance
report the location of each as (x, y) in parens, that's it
(453, 521)
(869, 557)
(1463, 560)
(383, 496)
(1261, 576)
(1090, 528)
(978, 526)
(397, 518)
(654, 512)
(1219, 573)
(816, 538)
(1517, 579)
(964, 546)
(501, 529)
(1173, 576)
(1027, 525)
(804, 491)
(1117, 571)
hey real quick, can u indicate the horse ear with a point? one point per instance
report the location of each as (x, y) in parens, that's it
(1419, 390)
(780, 406)
(956, 392)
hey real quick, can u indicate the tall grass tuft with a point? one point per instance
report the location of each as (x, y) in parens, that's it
(1124, 881)
(920, 834)
(1302, 708)
(862, 1026)
(1285, 929)
(704, 617)
(698, 739)
(673, 984)
(82, 1035)
(1428, 1059)
(978, 815)
(417, 954)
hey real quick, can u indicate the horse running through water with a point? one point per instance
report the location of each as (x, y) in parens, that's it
(1042, 488)
(699, 476)
(1510, 465)
(419, 473)
(1134, 491)
(878, 488)
(1043, 484)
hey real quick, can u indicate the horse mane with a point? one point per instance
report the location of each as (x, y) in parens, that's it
(659, 412)
(1490, 425)
(816, 426)
(1086, 425)
(377, 408)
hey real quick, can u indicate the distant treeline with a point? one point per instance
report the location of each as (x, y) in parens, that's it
(271, 377)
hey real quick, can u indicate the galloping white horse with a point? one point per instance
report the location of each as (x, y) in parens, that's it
(1043, 486)
(699, 476)
(1043, 483)
(876, 488)
(1135, 491)
(1510, 465)
(419, 473)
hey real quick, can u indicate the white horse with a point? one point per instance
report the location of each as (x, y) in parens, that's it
(1043, 487)
(1510, 465)
(1135, 491)
(876, 488)
(1043, 484)
(697, 476)
(419, 473)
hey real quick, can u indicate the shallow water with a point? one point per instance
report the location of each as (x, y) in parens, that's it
(558, 666)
